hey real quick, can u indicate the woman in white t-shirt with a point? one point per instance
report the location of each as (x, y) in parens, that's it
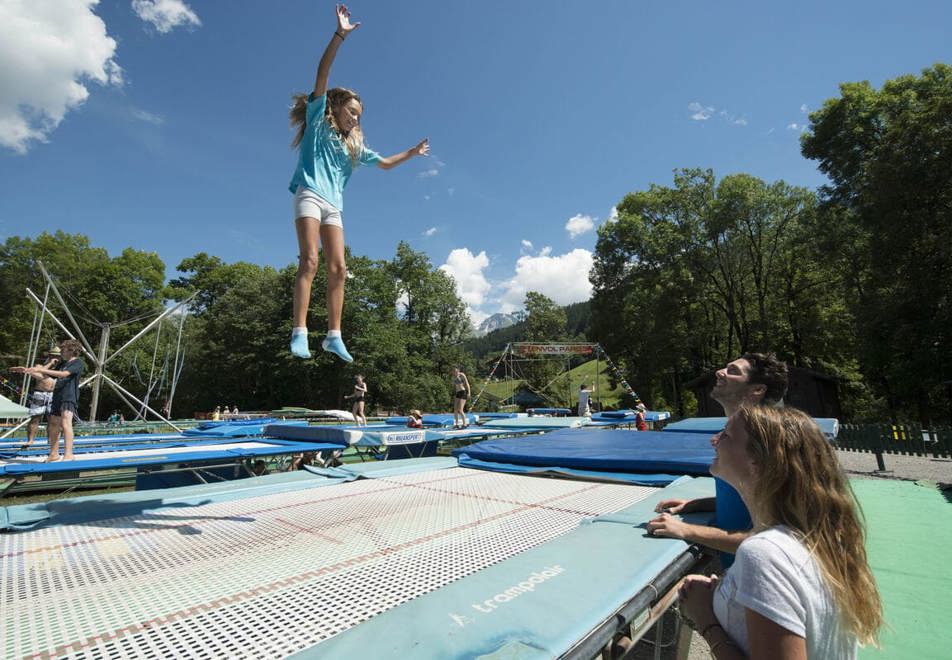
(801, 586)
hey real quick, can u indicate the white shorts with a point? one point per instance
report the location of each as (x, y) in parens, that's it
(308, 204)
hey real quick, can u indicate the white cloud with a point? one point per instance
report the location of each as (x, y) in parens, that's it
(429, 232)
(613, 215)
(705, 112)
(467, 269)
(49, 49)
(701, 112)
(450, 191)
(579, 224)
(476, 316)
(526, 246)
(426, 174)
(563, 278)
(148, 117)
(165, 15)
(793, 127)
(804, 109)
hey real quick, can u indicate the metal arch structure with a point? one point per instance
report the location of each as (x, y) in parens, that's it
(100, 357)
(532, 351)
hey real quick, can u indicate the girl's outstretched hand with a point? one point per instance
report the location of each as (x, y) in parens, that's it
(344, 26)
(422, 149)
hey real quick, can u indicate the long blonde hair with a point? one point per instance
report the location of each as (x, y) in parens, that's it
(800, 485)
(336, 97)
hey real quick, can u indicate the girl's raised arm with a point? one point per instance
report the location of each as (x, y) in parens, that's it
(344, 28)
(421, 149)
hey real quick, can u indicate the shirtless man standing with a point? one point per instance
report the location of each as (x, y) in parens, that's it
(41, 397)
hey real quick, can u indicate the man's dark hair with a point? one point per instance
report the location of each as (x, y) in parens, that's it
(72, 345)
(766, 369)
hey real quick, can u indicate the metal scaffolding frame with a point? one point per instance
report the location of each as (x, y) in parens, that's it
(100, 357)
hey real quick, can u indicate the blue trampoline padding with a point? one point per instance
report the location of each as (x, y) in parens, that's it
(536, 423)
(614, 451)
(496, 415)
(471, 433)
(236, 422)
(615, 413)
(376, 435)
(650, 415)
(537, 604)
(548, 411)
(435, 419)
(382, 470)
(829, 425)
(241, 429)
(203, 451)
(170, 501)
(625, 477)
(95, 440)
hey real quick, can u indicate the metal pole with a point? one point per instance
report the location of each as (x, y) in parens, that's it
(88, 354)
(79, 332)
(35, 335)
(176, 370)
(483, 389)
(116, 386)
(149, 327)
(97, 385)
(16, 428)
(598, 391)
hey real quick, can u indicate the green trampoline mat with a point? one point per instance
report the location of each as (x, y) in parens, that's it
(909, 530)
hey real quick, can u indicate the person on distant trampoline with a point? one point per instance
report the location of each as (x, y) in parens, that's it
(640, 411)
(331, 145)
(584, 400)
(360, 393)
(415, 420)
(461, 393)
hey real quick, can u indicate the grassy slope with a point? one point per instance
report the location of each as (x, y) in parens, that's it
(584, 373)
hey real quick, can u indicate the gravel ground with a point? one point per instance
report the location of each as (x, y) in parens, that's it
(914, 468)
(858, 465)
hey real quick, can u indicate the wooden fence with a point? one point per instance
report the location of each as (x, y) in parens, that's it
(910, 440)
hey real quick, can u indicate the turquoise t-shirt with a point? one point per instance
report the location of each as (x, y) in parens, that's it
(324, 163)
(731, 514)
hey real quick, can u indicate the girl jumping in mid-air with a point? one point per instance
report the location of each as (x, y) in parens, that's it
(331, 145)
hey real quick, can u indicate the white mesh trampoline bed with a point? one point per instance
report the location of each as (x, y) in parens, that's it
(417, 558)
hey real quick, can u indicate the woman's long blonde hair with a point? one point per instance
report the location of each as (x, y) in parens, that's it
(336, 97)
(800, 485)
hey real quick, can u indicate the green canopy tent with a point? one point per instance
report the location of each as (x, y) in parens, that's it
(10, 410)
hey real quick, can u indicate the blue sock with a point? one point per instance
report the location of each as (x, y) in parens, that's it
(299, 346)
(336, 346)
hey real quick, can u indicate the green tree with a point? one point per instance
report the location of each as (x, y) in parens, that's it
(692, 275)
(888, 227)
(545, 322)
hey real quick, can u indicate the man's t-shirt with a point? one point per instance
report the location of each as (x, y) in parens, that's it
(583, 399)
(66, 389)
(731, 514)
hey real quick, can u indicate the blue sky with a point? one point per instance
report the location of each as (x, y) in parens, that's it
(161, 124)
